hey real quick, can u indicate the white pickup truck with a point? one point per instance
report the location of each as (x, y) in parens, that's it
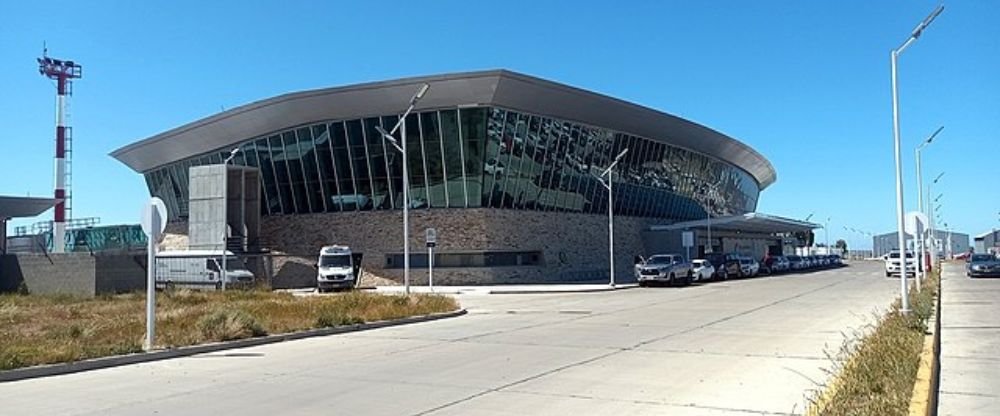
(664, 268)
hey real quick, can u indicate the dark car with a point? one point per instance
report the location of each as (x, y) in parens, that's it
(983, 265)
(726, 265)
(796, 262)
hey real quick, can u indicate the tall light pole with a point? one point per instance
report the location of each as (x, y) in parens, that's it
(611, 216)
(708, 212)
(387, 136)
(921, 240)
(930, 217)
(826, 232)
(904, 296)
(223, 274)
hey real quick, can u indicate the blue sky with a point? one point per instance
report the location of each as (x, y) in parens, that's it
(805, 83)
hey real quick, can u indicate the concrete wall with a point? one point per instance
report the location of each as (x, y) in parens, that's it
(574, 246)
(206, 206)
(73, 273)
(120, 273)
(68, 273)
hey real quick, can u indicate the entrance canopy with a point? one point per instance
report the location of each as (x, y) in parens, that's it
(17, 207)
(753, 222)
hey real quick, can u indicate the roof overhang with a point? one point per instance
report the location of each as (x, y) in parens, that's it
(753, 222)
(499, 88)
(18, 207)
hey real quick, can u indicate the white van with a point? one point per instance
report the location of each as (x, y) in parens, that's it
(337, 268)
(199, 269)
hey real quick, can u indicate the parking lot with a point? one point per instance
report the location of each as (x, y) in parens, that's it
(748, 346)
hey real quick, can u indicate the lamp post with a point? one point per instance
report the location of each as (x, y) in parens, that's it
(708, 212)
(611, 219)
(930, 216)
(904, 296)
(225, 218)
(388, 136)
(826, 232)
(921, 240)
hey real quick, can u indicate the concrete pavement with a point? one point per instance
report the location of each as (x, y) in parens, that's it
(741, 347)
(970, 344)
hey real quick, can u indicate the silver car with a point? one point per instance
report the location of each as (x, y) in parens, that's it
(664, 268)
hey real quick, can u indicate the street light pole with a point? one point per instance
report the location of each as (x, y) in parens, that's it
(826, 232)
(225, 218)
(611, 219)
(921, 240)
(930, 218)
(894, 55)
(387, 136)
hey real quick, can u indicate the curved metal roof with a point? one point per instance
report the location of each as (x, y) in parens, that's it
(494, 88)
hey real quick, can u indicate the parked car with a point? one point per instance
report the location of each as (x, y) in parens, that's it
(703, 270)
(983, 265)
(796, 262)
(726, 265)
(894, 267)
(780, 264)
(664, 268)
(749, 267)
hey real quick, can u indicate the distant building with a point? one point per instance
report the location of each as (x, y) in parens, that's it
(988, 241)
(958, 242)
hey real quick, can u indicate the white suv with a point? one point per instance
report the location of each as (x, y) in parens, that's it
(892, 265)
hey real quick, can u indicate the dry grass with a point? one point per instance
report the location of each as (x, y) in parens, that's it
(876, 367)
(50, 329)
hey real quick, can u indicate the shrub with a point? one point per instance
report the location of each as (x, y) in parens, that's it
(225, 325)
(334, 317)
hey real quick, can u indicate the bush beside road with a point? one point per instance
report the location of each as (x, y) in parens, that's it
(53, 329)
(876, 368)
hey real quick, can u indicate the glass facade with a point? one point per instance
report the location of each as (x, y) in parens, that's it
(473, 157)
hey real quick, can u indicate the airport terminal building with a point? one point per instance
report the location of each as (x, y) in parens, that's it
(502, 164)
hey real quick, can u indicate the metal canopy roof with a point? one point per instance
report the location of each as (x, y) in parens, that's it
(752, 222)
(17, 206)
(499, 88)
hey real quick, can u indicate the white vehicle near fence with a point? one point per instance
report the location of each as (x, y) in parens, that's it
(200, 269)
(337, 268)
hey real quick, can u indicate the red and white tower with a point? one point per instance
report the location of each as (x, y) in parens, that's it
(63, 72)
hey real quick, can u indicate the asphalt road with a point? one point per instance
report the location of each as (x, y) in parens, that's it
(752, 346)
(970, 344)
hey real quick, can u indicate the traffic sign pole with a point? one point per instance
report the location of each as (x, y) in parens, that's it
(431, 236)
(154, 221)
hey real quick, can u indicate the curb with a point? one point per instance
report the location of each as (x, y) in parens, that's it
(556, 292)
(923, 401)
(494, 290)
(119, 360)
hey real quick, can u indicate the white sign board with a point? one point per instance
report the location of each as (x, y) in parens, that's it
(431, 237)
(687, 239)
(915, 222)
(147, 217)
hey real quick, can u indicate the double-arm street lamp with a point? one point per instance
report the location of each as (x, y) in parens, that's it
(894, 55)
(611, 206)
(388, 136)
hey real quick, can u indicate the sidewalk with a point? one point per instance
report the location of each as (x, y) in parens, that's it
(970, 344)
